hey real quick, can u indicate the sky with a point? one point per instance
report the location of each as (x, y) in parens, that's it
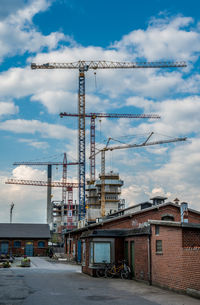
(42, 31)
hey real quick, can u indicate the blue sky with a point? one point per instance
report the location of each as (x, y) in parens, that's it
(66, 31)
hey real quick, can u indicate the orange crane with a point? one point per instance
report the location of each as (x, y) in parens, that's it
(49, 185)
(92, 117)
(83, 66)
(111, 148)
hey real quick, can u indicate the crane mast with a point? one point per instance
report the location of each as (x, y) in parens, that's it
(83, 66)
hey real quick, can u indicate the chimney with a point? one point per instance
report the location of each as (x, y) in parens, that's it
(176, 200)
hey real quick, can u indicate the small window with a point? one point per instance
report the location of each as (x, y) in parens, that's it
(17, 244)
(157, 230)
(158, 246)
(168, 217)
(41, 244)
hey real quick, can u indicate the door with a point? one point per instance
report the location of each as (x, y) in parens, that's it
(4, 248)
(29, 249)
(132, 256)
(79, 251)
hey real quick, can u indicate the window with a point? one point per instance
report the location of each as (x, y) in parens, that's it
(157, 230)
(158, 246)
(17, 244)
(168, 217)
(100, 252)
(41, 244)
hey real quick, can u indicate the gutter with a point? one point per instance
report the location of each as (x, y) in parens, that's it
(149, 261)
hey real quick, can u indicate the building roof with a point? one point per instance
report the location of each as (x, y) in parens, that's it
(24, 230)
(116, 232)
(175, 224)
(131, 214)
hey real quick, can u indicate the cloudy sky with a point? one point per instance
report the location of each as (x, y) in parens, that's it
(43, 31)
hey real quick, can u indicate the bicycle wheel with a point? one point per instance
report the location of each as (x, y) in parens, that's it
(125, 274)
(108, 273)
(100, 272)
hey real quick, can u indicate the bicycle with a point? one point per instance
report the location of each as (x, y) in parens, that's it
(122, 270)
(100, 272)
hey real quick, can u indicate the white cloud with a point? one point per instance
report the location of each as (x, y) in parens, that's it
(35, 144)
(7, 108)
(178, 116)
(28, 173)
(27, 208)
(164, 39)
(18, 34)
(34, 126)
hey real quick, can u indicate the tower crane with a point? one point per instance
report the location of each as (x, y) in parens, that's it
(83, 66)
(92, 117)
(68, 186)
(111, 148)
(49, 184)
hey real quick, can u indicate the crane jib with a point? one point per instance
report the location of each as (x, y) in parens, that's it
(85, 66)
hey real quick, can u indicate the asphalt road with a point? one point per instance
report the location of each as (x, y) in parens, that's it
(63, 284)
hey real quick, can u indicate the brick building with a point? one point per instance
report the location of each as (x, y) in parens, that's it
(24, 239)
(161, 244)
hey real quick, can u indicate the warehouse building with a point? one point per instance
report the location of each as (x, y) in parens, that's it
(24, 239)
(161, 244)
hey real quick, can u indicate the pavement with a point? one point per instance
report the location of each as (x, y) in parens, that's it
(58, 283)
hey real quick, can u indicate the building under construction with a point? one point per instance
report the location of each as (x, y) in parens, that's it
(62, 217)
(112, 192)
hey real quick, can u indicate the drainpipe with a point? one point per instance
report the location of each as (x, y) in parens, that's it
(149, 261)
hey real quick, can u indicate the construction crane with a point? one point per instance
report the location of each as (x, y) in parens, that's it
(49, 179)
(111, 148)
(92, 117)
(68, 186)
(83, 66)
(42, 183)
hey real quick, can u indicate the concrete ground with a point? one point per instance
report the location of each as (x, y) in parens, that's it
(56, 283)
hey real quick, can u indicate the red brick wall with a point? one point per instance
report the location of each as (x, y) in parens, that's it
(191, 238)
(141, 256)
(193, 217)
(191, 268)
(176, 267)
(85, 268)
(130, 222)
(21, 251)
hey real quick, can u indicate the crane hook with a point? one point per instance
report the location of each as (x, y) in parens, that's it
(95, 79)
